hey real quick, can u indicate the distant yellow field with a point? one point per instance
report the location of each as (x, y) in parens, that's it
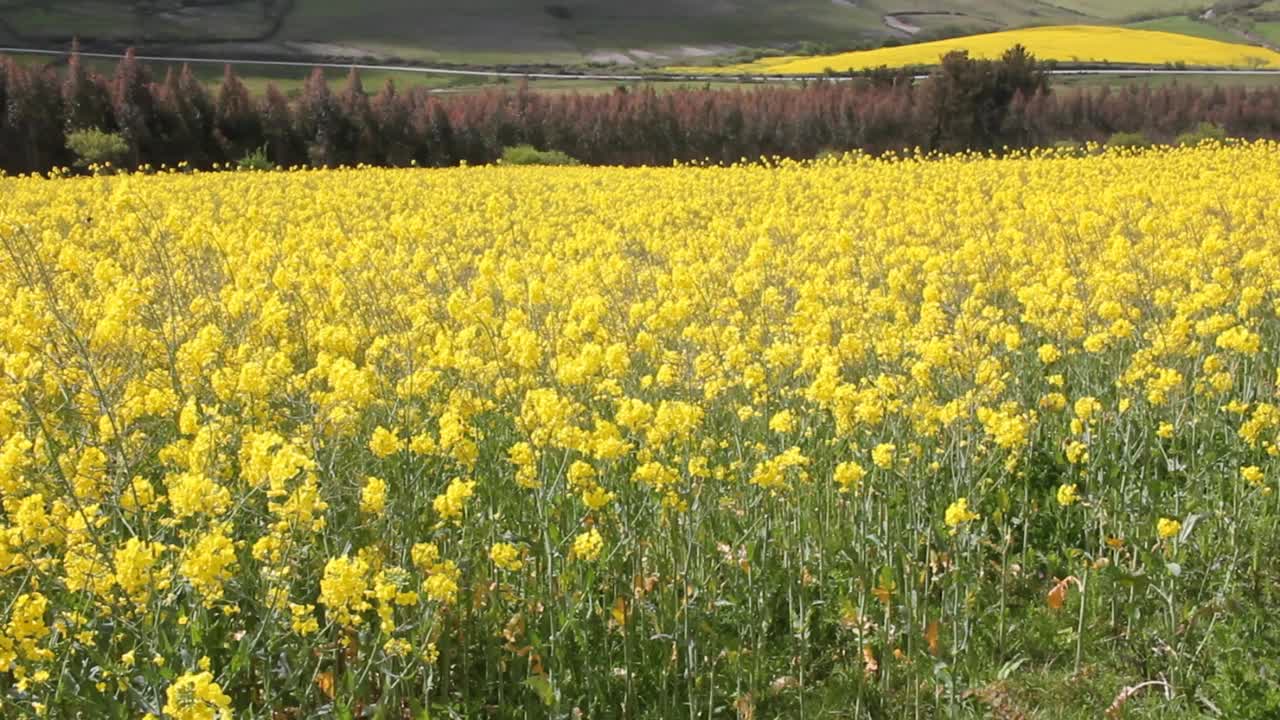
(1070, 43)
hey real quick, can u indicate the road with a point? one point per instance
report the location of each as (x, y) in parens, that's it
(656, 77)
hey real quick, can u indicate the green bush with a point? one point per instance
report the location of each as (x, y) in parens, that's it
(1124, 139)
(1204, 131)
(256, 160)
(95, 147)
(529, 155)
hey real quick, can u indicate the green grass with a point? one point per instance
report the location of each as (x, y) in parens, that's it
(505, 31)
(1158, 80)
(1125, 9)
(1268, 30)
(1186, 26)
(290, 80)
(114, 19)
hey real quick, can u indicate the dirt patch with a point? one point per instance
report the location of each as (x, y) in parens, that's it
(647, 55)
(332, 50)
(901, 21)
(703, 51)
(610, 56)
(894, 22)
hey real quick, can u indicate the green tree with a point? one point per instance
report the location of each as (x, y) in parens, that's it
(95, 147)
(966, 101)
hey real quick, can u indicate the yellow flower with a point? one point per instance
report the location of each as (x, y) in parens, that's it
(1077, 452)
(193, 493)
(1162, 385)
(397, 647)
(596, 497)
(189, 418)
(1086, 408)
(525, 458)
(1067, 495)
(136, 569)
(1165, 430)
(1239, 339)
(139, 496)
(342, 590)
(1252, 474)
(772, 473)
(385, 443)
(442, 585)
(303, 619)
(209, 563)
(195, 696)
(1167, 528)
(373, 496)
(506, 556)
(451, 504)
(581, 475)
(882, 455)
(26, 628)
(1054, 402)
(587, 545)
(425, 556)
(782, 422)
(958, 513)
(848, 475)
(430, 654)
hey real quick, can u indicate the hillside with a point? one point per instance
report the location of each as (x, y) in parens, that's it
(1073, 44)
(657, 32)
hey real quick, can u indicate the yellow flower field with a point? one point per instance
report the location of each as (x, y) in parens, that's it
(780, 440)
(1068, 43)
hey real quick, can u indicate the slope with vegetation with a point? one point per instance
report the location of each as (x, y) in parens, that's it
(657, 32)
(1077, 44)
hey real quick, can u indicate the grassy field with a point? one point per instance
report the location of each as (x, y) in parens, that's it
(1269, 30)
(1128, 8)
(1072, 44)
(1158, 79)
(290, 80)
(115, 18)
(871, 439)
(660, 32)
(1184, 25)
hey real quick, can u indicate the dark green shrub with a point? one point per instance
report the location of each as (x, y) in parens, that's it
(529, 155)
(1204, 131)
(256, 160)
(95, 147)
(1131, 140)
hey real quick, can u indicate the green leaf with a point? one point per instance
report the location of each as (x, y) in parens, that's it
(886, 576)
(543, 689)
